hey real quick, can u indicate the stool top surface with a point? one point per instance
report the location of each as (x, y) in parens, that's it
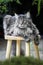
(7, 37)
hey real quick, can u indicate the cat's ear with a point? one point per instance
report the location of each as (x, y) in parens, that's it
(16, 15)
(28, 14)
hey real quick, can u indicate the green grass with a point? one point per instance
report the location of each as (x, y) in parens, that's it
(22, 61)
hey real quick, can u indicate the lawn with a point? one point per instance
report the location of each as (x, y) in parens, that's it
(22, 61)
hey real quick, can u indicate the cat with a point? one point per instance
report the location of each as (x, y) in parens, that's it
(21, 25)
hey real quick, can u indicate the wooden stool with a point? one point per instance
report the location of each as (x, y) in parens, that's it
(18, 39)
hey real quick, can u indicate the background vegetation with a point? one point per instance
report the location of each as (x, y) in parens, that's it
(3, 5)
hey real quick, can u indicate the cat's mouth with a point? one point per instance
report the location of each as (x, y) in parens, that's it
(22, 26)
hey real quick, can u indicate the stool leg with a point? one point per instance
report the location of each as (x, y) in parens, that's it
(27, 46)
(8, 50)
(18, 48)
(36, 50)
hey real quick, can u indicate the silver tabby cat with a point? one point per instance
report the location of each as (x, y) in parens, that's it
(21, 25)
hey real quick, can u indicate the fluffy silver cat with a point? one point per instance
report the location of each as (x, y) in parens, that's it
(21, 25)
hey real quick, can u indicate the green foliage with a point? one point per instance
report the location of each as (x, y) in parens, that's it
(4, 1)
(18, 1)
(9, 0)
(38, 3)
(22, 61)
(3, 8)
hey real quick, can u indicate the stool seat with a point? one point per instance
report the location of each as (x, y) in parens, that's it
(13, 37)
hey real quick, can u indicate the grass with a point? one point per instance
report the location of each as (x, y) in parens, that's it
(22, 61)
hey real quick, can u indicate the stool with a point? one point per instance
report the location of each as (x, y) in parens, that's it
(18, 39)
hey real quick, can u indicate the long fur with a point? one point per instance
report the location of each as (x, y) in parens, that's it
(21, 25)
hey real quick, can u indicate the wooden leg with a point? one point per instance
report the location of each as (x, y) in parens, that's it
(27, 51)
(18, 48)
(36, 50)
(8, 50)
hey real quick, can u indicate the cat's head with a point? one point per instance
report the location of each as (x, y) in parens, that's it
(22, 19)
